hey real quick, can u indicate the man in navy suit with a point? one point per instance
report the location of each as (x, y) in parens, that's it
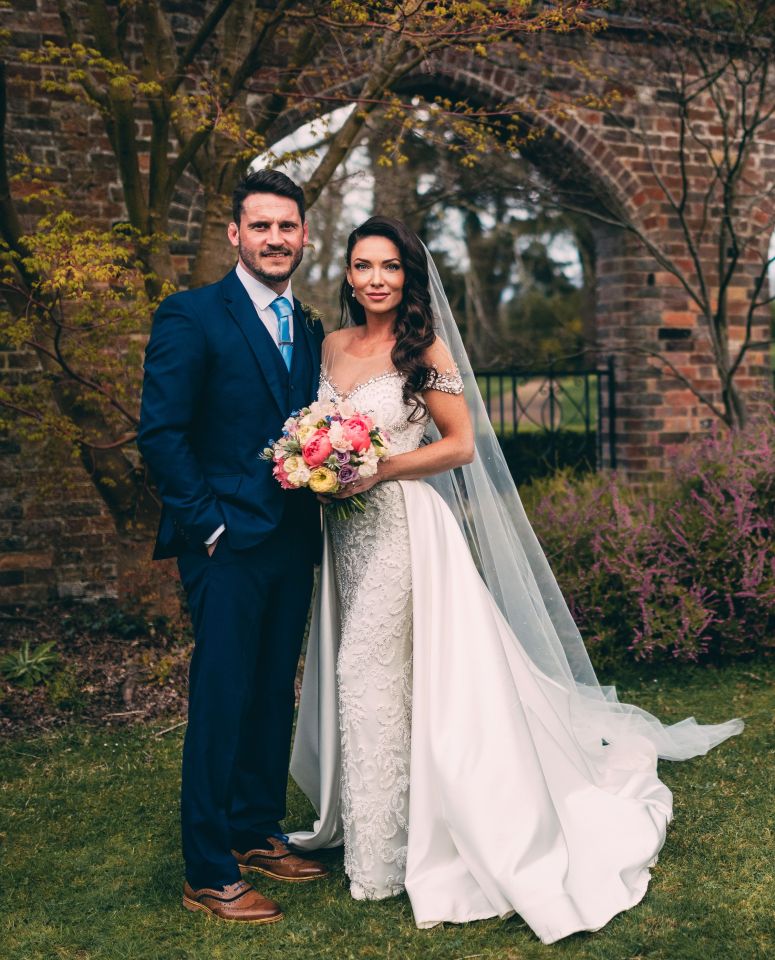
(224, 367)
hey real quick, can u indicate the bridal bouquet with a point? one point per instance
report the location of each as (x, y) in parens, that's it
(326, 446)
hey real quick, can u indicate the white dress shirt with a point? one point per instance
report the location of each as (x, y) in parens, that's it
(261, 296)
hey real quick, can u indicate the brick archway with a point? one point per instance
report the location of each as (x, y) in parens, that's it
(643, 314)
(65, 547)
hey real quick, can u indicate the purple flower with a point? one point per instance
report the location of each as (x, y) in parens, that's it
(347, 474)
(342, 456)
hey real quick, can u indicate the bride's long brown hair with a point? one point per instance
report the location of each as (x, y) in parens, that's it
(413, 326)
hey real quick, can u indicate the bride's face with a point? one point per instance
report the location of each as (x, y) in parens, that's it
(376, 274)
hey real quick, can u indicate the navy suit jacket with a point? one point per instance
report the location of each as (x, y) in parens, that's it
(215, 391)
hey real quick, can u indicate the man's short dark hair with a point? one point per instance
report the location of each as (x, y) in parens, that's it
(266, 181)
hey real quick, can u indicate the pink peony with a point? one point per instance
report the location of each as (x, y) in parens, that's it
(356, 430)
(317, 448)
(279, 474)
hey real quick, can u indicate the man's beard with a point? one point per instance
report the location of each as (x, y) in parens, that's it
(253, 262)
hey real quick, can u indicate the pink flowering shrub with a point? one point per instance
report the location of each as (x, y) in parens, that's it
(685, 571)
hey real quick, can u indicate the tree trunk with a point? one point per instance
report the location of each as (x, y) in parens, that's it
(143, 584)
(395, 187)
(215, 255)
(585, 241)
(161, 268)
(734, 405)
(146, 585)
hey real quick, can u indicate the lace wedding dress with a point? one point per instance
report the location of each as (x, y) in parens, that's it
(432, 746)
(373, 574)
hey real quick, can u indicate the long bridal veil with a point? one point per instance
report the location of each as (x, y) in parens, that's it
(484, 500)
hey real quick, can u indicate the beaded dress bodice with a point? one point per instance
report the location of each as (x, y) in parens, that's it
(374, 386)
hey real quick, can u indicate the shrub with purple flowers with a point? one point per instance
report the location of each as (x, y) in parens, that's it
(685, 571)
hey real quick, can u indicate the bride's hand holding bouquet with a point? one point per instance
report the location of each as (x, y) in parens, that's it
(333, 449)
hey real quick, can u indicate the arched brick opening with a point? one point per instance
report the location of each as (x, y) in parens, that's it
(64, 545)
(644, 317)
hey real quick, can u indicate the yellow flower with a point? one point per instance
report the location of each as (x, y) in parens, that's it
(323, 480)
(304, 433)
(293, 463)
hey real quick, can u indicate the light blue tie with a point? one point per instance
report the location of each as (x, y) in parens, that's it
(283, 311)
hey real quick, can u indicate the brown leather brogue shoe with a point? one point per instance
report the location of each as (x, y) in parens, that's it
(280, 863)
(238, 901)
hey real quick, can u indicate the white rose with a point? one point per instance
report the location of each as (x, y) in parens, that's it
(300, 476)
(320, 409)
(337, 437)
(367, 470)
(346, 409)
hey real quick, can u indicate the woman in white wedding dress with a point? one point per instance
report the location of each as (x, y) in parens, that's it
(451, 732)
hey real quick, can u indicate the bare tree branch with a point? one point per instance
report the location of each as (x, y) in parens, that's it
(206, 30)
(10, 225)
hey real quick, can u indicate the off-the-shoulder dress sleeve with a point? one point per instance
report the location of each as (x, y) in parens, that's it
(447, 381)
(444, 375)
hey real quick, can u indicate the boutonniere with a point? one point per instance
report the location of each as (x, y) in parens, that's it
(311, 316)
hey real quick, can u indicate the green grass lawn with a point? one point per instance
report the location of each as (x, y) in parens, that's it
(90, 868)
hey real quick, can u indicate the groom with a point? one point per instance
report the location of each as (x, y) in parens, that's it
(224, 367)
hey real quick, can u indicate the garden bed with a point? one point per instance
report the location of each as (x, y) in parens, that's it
(110, 668)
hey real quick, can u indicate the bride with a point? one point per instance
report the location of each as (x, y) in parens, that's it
(452, 733)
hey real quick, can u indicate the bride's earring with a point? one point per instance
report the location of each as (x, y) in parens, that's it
(352, 291)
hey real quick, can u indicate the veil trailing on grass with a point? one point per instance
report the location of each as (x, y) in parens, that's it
(484, 501)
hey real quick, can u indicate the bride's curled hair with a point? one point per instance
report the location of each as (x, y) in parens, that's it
(414, 322)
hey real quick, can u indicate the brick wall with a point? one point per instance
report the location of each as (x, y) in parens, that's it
(57, 540)
(642, 311)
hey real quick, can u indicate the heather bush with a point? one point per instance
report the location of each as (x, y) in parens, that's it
(683, 571)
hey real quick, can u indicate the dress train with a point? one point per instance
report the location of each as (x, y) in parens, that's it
(516, 803)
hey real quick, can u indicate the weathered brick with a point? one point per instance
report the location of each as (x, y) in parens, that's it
(639, 304)
(10, 578)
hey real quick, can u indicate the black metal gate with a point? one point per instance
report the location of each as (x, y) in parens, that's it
(553, 417)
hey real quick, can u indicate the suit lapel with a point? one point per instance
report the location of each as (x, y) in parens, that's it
(304, 337)
(268, 357)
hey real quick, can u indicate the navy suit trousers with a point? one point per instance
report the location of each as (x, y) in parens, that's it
(248, 609)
